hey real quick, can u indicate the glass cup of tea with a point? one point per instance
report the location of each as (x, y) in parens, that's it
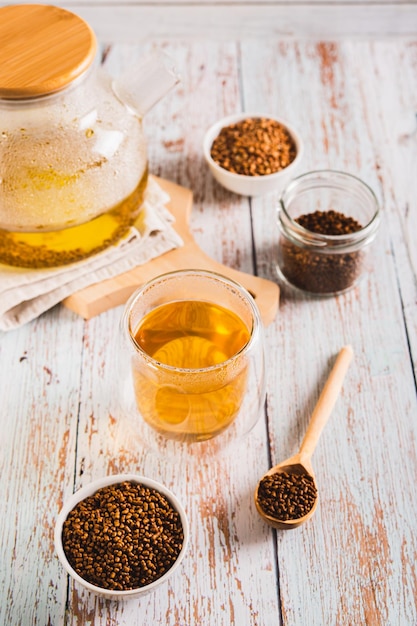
(193, 363)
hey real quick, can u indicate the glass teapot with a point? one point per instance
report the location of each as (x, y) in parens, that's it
(73, 158)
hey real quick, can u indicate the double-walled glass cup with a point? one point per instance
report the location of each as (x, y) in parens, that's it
(194, 351)
(327, 221)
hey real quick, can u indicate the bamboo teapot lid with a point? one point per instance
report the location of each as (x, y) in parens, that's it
(43, 49)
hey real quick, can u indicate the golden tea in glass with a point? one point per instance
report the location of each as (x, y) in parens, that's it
(192, 334)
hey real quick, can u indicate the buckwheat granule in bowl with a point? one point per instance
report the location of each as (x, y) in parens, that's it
(121, 536)
(252, 154)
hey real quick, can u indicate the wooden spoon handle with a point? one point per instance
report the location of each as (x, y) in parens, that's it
(326, 401)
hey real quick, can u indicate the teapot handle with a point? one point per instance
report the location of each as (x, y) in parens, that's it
(141, 87)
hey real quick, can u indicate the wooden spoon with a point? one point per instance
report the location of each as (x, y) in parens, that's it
(300, 464)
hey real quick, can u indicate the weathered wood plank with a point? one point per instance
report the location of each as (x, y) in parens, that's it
(343, 98)
(138, 21)
(40, 392)
(222, 574)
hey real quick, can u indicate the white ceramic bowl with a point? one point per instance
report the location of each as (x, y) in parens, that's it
(251, 185)
(89, 490)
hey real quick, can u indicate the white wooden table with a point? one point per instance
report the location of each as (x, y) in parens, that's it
(354, 102)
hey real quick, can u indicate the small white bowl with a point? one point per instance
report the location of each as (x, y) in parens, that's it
(89, 490)
(251, 185)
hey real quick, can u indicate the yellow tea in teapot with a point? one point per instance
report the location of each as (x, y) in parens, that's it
(195, 385)
(50, 248)
(59, 206)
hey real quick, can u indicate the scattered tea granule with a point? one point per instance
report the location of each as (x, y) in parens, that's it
(123, 537)
(254, 147)
(326, 270)
(285, 496)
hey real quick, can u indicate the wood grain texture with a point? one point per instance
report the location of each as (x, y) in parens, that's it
(347, 121)
(43, 49)
(62, 425)
(144, 20)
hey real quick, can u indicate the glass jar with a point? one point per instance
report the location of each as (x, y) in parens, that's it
(327, 221)
(191, 370)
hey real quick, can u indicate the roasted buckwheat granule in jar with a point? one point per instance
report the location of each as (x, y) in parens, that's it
(285, 496)
(124, 536)
(324, 271)
(254, 147)
(327, 220)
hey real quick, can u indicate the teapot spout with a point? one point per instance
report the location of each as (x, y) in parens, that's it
(146, 83)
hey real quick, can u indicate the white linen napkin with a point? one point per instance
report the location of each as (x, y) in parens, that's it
(26, 293)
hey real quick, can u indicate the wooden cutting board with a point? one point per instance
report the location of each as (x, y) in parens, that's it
(110, 293)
